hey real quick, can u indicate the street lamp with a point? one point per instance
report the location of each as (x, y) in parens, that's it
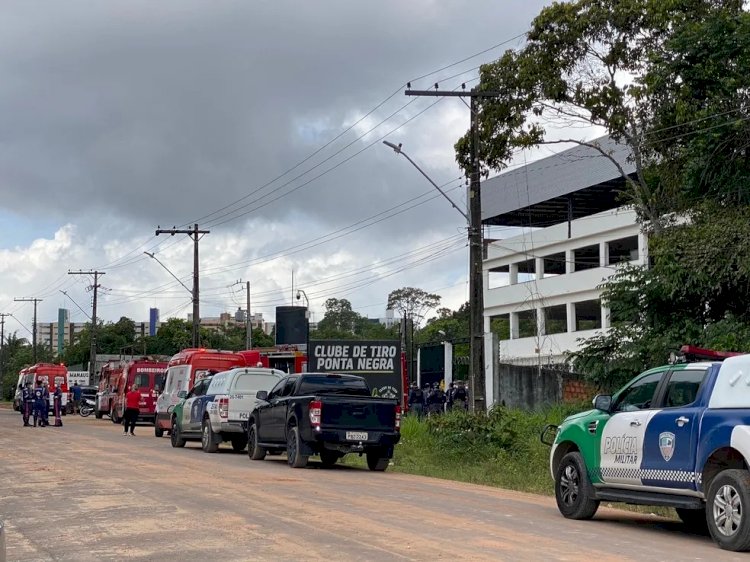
(476, 325)
(193, 296)
(301, 293)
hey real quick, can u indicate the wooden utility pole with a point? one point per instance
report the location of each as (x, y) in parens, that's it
(195, 234)
(94, 324)
(476, 290)
(33, 331)
(2, 347)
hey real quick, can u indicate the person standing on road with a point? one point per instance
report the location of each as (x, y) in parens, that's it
(132, 409)
(57, 397)
(39, 405)
(77, 390)
(25, 403)
(45, 410)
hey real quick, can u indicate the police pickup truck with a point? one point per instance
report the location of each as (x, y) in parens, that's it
(322, 414)
(676, 436)
(217, 408)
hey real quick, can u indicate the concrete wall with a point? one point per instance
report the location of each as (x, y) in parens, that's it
(519, 386)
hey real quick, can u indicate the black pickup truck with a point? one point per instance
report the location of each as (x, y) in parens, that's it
(322, 414)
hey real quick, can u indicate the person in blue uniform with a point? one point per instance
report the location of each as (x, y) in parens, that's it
(24, 413)
(28, 403)
(40, 406)
(45, 410)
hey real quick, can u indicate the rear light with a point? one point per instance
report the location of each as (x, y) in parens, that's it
(223, 407)
(398, 418)
(316, 414)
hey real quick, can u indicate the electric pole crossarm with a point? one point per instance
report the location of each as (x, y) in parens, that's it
(452, 94)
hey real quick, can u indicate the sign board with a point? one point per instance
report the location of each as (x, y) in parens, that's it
(377, 361)
(80, 377)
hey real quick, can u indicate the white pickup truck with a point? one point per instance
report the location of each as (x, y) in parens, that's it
(217, 409)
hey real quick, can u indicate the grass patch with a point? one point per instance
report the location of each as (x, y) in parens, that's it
(499, 449)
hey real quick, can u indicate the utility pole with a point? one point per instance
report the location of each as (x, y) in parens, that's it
(476, 250)
(33, 331)
(2, 347)
(94, 326)
(195, 234)
(249, 323)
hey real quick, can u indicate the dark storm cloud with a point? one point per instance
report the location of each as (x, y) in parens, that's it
(162, 112)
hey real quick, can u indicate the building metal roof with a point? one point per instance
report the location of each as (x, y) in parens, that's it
(580, 181)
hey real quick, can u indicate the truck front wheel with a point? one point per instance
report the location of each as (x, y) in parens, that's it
(727, 507)
(573, 490)
(158, 431)
(209, 440)
(254, 451)
(293, 446)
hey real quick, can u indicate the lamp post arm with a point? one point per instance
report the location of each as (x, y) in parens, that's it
(397, 149)
(168, 271)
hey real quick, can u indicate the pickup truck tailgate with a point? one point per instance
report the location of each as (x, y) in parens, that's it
(356, 412)
(240, 406)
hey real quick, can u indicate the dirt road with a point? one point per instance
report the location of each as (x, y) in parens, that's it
(85, 492)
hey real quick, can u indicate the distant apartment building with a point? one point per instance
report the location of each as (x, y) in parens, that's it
(58, 335)
(542, 287)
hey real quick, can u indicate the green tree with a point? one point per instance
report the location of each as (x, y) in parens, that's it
(412, 303)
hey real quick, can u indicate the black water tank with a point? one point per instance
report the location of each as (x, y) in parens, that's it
(291, 325)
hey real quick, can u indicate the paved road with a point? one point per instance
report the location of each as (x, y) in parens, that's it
(84, 492)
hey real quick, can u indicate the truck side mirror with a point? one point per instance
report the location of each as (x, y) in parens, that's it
(603, 402)
(182, 394)
(262, 395)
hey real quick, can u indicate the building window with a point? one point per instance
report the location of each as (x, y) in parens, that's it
(588, 315)
(527, 324)
(555, 319)
(526, 270)
(500, 325)
(554, 264)
(498, 276)
(624, 249)
(586, 257)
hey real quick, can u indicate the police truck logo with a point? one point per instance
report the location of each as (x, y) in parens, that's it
(666, 445)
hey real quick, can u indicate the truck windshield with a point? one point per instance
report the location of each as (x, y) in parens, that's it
(247, 382)
(334, 385)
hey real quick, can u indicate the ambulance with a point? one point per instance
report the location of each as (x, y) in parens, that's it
(52, 374)
(184, 370)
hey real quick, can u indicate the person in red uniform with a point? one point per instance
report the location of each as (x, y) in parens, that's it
(132, 409)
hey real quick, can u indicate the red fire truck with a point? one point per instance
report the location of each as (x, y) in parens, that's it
(117, 377)
(184, 370)
(148, 376)
(287, 358)
(51, 373)
(109, 379)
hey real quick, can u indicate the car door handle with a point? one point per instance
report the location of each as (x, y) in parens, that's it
(635, 423)
(682, 420)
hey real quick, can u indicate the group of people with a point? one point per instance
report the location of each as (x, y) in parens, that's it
(36, 404)
(432, 399)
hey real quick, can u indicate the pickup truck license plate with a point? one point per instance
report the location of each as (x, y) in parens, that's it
(356, 436)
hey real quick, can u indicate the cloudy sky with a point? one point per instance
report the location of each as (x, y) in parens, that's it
(261, 121)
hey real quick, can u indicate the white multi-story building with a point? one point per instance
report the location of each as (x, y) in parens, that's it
(542, 287)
